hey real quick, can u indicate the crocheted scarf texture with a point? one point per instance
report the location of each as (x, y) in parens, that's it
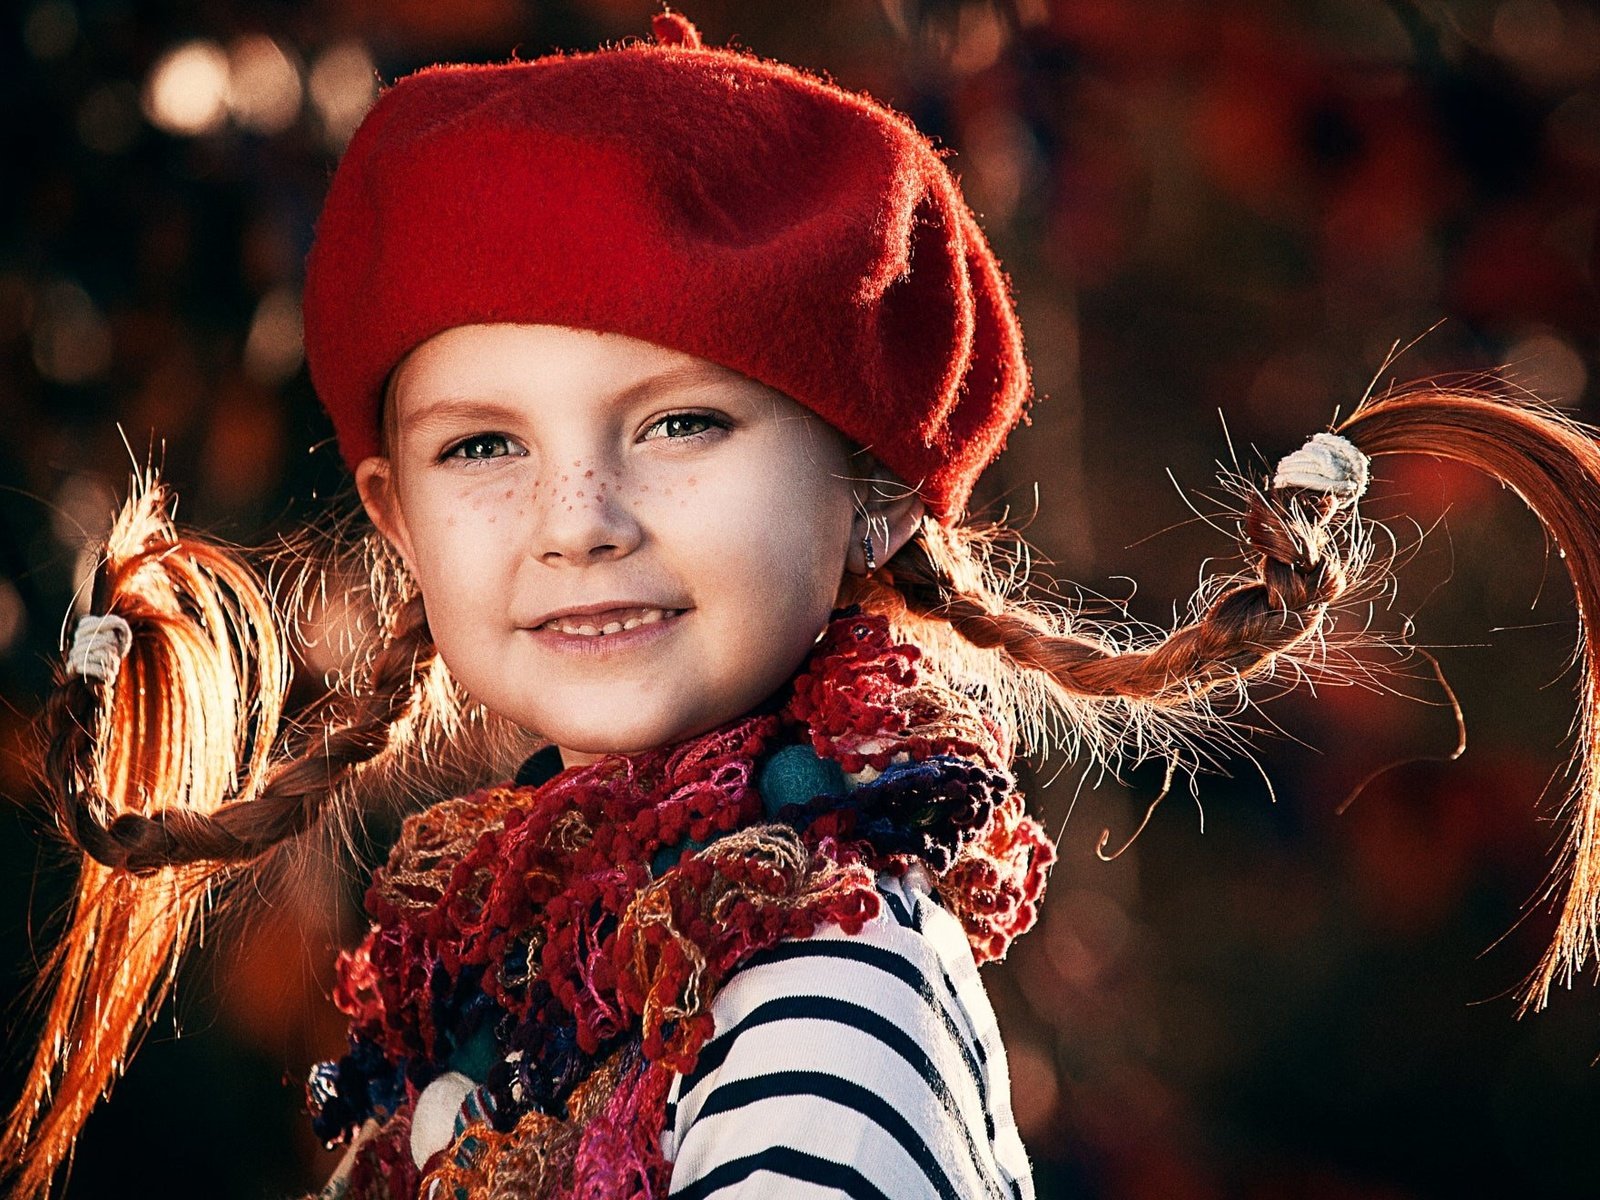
(558, 945)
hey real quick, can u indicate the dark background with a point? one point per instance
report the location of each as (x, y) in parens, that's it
(1219, 218)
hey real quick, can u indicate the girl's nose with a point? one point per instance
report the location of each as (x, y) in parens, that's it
(581, 524)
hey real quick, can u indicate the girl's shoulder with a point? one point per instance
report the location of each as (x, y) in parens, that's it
(913, 957)
(888, 1028)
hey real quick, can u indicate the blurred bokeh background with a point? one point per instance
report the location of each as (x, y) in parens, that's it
(1219, 219)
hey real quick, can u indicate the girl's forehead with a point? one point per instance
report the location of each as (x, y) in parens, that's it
(549, 349)
(536, 362)
(508, 372)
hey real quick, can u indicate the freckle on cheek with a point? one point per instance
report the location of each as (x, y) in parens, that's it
(587, 474)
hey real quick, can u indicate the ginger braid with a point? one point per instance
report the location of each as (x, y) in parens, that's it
(167, 777)
(1306, 553)
(241, 829)
(1301, 566)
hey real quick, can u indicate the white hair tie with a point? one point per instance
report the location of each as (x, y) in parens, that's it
(99, 645)
(1326, 463)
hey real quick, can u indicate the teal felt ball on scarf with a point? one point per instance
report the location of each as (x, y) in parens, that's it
(791, 776)
(794, 775)
(474, 1057)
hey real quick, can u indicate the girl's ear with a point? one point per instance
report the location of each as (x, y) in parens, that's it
(887, 513)
(375, 483)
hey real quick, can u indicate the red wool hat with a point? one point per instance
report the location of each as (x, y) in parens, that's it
(705, 200)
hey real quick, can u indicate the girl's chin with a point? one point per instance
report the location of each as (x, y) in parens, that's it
(585, 744)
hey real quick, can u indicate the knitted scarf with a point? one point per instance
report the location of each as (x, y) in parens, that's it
(544, 954)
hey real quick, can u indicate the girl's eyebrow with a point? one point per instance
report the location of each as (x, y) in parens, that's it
(457, 409)
(478, 408)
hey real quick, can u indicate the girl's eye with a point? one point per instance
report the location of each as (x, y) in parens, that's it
(683, 426)
(480, 446)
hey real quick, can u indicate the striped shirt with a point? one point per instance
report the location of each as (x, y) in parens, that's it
(868, 1066)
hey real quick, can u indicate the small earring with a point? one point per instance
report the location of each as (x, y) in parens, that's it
(866, 548)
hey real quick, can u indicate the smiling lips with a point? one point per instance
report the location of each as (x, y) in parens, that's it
(611, 621)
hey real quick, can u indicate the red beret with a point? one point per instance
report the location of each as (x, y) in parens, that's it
(705, 200)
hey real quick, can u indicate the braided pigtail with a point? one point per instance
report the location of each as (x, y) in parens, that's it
(161, 766)
(1120, 693)
(1307, 552)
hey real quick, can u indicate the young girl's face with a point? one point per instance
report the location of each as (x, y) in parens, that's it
(618, 545)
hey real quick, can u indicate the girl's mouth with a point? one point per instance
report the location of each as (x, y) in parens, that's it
(604, 634)
(609, 624)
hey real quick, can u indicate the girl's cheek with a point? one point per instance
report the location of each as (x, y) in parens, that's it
(464, 505)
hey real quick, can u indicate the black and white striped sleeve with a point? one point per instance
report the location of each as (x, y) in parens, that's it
(864, 1066)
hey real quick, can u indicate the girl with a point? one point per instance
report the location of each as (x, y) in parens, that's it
(666, 374)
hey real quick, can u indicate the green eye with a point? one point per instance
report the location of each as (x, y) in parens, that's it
(480, 446)
(683, 426)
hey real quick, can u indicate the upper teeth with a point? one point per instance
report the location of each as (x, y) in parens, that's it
(647, 616)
